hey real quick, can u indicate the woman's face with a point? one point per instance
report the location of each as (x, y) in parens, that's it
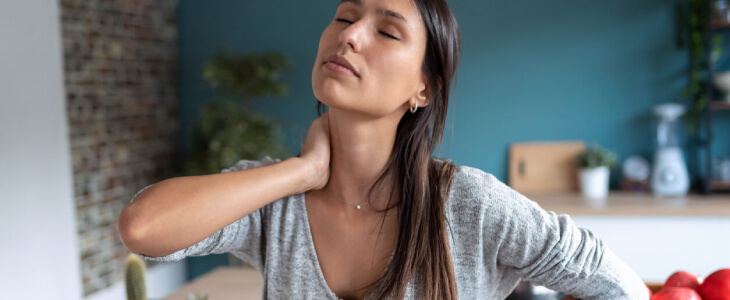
(384, 41)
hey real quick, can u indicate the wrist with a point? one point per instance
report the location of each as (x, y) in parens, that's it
(305, 173)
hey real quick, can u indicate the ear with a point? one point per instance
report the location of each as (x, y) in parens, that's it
(423, 96)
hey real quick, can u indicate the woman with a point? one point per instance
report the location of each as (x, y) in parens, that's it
(364, 211)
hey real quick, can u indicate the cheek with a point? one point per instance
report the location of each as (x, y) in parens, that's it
(399, 71)
(325, 41)
(328, 38)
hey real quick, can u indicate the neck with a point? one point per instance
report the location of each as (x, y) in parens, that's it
(361, 150)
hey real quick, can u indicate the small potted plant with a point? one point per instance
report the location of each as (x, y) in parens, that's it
(595, 165)
(134, 278)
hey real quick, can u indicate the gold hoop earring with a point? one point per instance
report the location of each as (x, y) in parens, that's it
(413, 109)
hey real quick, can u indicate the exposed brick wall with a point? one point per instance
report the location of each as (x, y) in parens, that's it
(120, 64)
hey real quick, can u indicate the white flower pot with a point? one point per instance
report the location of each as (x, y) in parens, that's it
(594, 184)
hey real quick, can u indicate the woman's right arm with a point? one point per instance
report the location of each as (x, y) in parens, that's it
(179, 212)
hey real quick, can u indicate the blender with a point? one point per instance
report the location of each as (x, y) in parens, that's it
(669, 175)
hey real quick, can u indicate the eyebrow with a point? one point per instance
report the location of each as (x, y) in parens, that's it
(380, 10)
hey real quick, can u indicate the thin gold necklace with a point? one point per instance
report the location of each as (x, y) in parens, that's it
(358, 206)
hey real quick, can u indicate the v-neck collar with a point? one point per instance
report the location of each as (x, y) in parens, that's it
(313, 251)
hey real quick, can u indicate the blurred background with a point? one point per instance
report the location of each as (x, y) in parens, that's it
(101, 98)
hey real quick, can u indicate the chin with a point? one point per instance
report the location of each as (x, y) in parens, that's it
(332, 99)
(335, 94)
(331, 92)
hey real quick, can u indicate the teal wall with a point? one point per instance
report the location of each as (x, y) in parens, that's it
(531, 70)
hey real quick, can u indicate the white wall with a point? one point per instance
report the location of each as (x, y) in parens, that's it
(37, 224)
(38, 239)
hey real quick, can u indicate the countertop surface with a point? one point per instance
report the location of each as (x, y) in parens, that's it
(232, 283)
(620, 203)
(224, 283)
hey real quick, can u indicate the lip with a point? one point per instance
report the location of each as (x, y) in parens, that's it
(342, 62)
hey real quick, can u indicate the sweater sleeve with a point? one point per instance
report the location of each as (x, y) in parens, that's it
(243, 238)
(550, 250)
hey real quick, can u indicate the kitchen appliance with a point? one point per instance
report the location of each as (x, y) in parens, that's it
(669, 176)
(635, 172)
(722, 169)
(722, 83)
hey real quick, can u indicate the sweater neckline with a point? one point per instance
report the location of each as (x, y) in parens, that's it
(313, 251)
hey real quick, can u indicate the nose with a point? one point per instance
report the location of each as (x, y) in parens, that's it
(353, 36)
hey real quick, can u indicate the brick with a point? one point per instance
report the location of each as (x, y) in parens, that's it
(120, 61)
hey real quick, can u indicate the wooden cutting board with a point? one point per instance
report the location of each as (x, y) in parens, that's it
(544, 167)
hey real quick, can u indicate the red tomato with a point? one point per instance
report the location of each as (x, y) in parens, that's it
(683, 279)
(716, 286)
(676, 293)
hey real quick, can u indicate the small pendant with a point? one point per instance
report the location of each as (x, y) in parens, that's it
(358, 207)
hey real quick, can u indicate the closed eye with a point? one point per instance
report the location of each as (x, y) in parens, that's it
(388, 35)
(381, 32)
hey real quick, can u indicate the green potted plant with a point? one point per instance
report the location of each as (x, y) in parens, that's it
(134, 278)
(227, 129)
(197, 297)
(595, 164)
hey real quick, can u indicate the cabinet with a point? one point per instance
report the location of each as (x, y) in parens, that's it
(642, 230)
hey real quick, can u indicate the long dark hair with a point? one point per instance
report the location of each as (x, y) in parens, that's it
(422, 247)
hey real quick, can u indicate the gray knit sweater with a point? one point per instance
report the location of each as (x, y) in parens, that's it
(498, 237)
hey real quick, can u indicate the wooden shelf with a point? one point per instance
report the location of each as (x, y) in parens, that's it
(719, 105)
(720, 185)
(623, 203)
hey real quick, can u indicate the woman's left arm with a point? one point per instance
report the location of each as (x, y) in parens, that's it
(550, 250)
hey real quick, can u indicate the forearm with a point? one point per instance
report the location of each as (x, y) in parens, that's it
(577, 262)
(613, 279)
(550, 250)
(179, 212)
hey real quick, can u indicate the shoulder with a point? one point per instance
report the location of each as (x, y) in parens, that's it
(466, 175)
(470, 188)
(475, 189)
(470, 178)
(473, 184)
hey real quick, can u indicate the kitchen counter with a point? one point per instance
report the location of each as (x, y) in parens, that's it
(224, 283)
(620, 203)
(654, 236)
(235, 283)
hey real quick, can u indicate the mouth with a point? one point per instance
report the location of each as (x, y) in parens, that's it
(339, 64)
